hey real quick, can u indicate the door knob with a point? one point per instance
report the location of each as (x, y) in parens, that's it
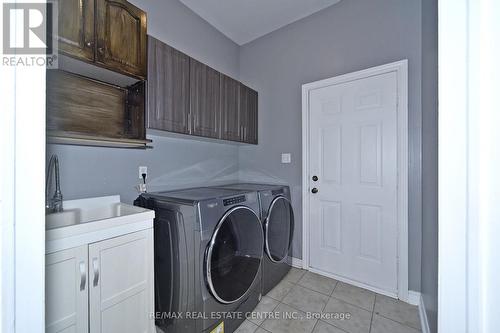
(314, 190)
(315, 178)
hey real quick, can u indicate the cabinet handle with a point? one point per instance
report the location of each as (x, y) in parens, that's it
(83, 276)
(95, 265)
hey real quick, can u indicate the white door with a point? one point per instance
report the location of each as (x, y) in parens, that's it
(121, 284)
(353, 152)
(66, 291)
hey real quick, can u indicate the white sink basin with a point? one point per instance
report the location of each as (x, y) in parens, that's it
(90, 219)
(63, 219)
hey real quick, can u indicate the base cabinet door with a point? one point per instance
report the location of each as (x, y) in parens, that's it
(66, 291)
(121, 284)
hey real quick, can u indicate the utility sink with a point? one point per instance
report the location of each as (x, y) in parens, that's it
(63, 219)
(89, 219)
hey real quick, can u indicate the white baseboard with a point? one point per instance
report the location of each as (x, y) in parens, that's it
(415, 298)
(296, 262)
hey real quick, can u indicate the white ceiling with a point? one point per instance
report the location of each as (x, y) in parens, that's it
(245, 20)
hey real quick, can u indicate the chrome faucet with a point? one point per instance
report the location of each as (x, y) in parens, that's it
(54, 204)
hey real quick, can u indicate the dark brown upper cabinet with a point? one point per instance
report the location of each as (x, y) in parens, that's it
(76, 28)
(204, 100)
(248, 107)
(230, 120)
(168, 88)
(121, 37)
(84, 111)
(188, 97)
(109, 33)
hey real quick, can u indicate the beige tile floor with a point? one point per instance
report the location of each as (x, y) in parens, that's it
(301, 293)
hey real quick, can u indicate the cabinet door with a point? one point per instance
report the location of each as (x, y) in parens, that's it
(66, 291)
(121, 37)
(121, 284)
(230, 121)
(168, 88)
(249, 114)
(76, 28)
(204, 100)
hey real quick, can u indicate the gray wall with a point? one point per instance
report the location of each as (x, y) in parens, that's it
(175, 24)
(173, 163)
(429, 287)
(346, 37)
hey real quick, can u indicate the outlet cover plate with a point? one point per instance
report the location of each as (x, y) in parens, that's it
(143, 169)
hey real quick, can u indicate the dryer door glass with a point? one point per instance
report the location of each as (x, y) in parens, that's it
(279, 229)
(234, 254)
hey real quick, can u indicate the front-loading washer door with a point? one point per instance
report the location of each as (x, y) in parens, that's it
(234, 254)
(278, 227)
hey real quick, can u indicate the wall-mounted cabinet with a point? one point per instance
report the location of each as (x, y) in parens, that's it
(248, 114)
(76, 28)
(89, 112)
(168, 88)
(204, 97)
(188, 97)
(111, 34)
(229, 110)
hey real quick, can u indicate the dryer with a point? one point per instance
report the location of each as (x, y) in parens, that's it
(208, 257)
(277, 218)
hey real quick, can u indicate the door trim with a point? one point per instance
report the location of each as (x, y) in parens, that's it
(401, 70)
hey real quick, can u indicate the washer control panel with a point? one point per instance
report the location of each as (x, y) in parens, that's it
(234, 200)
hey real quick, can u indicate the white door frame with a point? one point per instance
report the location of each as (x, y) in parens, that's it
(401, 70)
(22, 198)
(469, 159)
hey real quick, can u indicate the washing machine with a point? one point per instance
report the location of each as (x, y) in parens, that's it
(208, 256)
(277, 218)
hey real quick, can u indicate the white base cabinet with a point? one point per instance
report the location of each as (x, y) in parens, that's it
(105, 286)
(66, 291)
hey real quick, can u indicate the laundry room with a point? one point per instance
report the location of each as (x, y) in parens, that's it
(225, 166)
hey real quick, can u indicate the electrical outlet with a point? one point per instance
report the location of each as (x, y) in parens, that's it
(143, 169)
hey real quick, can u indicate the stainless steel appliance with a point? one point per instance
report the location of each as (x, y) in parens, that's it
(208, 253)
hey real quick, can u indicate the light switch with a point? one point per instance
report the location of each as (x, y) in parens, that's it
(286, 158)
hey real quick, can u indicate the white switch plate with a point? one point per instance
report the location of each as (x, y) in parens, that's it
(286, 158)
(143, 169)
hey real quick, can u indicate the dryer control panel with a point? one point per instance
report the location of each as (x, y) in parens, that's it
(234, 200)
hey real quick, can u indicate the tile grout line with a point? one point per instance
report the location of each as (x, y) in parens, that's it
(373, 311)
(344, 301)
(272, 310)
(398, 322)
(319, 292)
